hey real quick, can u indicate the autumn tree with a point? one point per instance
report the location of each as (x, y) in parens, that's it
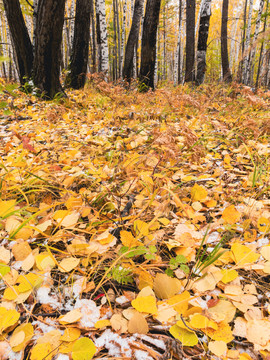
(149, 39)
(132, 40)
(80, 49)
(21, 40)
(190, 39)
(202, 41)
(224, 43)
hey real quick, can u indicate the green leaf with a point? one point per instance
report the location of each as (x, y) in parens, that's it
(4, 269)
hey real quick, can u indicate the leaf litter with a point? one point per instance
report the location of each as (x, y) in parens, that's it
(135, 226)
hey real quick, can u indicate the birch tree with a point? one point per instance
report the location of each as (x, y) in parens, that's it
(102, 37)
(247, 44)
(202, 41)
(250, 66)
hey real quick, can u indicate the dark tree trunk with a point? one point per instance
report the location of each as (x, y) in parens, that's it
(179, 55)
(240, 66)
(80, 49)
(149, 39)
(21, 40)
(132, 40)
(226, 72)
(202, 41)
(48, 38)
(190, 39)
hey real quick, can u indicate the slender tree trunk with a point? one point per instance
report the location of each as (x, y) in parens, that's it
(21, 40)
(149, 39)
(190, 39)
(247, 44)
(123, 35)
(93, 36)
(226, 72)
(119, 70)
(262, 47)
(80, 50)
(115, 74)
(50, 20)
(202, 41)
(102, 43)
(132, 40)
(250, 68)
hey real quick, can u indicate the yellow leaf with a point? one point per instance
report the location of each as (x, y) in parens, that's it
(198, 193)
(218, 348)
(228, 275)
(28, 282)
(70, 317)
(265, 252)
(7, 318)
(223, 333)
(68, 264)
(83, 349)
(44, 261)
(146, 304)
(164, 221)
(17, 339)
(70, 334)
(145, 279)
(230, 215)
(199, 321)
(28, 331)
(165, 286)
(11, 293)
(102, 324)
(243, 254)
(6, 207)
(141, 228)
(41, 352)
(180, 302)
(128, 239)
(187, 337)
(263, 224)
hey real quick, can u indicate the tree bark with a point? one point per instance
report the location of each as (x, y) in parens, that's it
(202, 41)
(149, 39)
(50, 21)
(247, 44)
(226, 72)
(102, 43)
(80, 50)
(132, 41)
(190, 39)
(21, 40)
(250, 69)
(93, 33)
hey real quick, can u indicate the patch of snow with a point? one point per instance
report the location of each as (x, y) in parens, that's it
(158, 343)
(62, 357)
(142, 355)
(115, 345)
(17, 265)
(121, 300)
(90, 312)
(43, 297)
(44, 328)
(213, 237)
(263, 241)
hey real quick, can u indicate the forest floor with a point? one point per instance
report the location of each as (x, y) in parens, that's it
(135, 226)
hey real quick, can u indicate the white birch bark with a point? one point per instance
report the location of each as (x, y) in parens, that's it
(123, 35)
(72, 21)
(234, 47)
(198, 17)
(247, 44)
(253, 50)
(103, 50)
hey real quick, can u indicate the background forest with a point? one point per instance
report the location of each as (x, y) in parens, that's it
(223, 40)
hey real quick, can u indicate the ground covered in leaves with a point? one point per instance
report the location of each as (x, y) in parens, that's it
(135, 226)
